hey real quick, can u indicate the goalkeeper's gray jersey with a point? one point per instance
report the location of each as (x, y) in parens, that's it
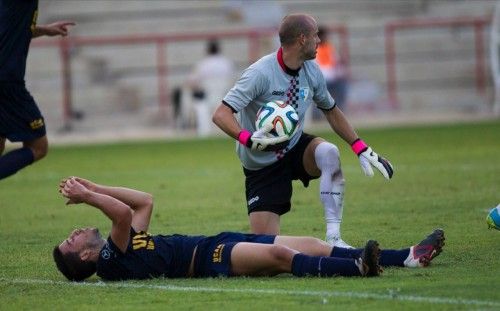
(268, 80)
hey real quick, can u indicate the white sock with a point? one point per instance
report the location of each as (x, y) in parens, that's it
(331, 186)
(333, 227)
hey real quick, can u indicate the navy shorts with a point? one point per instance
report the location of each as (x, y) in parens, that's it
(20, 118)
(213, 254)
(270, 188)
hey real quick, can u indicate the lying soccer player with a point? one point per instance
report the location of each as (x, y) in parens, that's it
(132, 253)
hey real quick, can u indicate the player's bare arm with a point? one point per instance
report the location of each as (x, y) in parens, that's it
(140, 202)
(340, 125)
(224, 118)
(59, 28)
(117, 211)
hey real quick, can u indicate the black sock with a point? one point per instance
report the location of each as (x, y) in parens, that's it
(303, 265)
(392, 257)
(15, 160)
(346, 252)
(388, 257)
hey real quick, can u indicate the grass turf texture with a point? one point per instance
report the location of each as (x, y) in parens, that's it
(445, 176)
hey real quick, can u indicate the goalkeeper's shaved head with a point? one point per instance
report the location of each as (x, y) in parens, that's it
(294, 25)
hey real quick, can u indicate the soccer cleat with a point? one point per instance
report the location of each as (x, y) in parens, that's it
(422, 253)
(368, 263)
(336, 241)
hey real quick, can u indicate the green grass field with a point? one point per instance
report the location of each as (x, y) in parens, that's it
(445, 176)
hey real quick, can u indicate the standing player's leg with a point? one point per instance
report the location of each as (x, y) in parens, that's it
(263, 222)
(2, 145)
(268, 192)
(21, 120)
(322, 159)
(17, 159)
(32, 151)
(39, 147)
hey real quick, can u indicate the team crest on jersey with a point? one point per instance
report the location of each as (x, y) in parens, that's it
(217, 254)
(36, 124)
(303, 93)
(106, 252)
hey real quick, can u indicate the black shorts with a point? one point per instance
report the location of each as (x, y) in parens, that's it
(270, 188)
(20, 118)
(213, 254)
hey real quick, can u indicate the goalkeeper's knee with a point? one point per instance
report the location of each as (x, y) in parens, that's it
(327, 157)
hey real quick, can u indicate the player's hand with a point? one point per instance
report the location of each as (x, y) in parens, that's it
(261, 140)
(74, 191)
(368, 158)
(87, 184)
(59, 28)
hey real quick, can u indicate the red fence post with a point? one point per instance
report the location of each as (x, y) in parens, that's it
(64, 50)
(390, 60)
(478, 23)
(253, 47)
(162, 70)
(162, 81)
(344, 47)
(480, 66)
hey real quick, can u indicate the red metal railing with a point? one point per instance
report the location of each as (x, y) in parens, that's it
(161, 41)
(478, 23)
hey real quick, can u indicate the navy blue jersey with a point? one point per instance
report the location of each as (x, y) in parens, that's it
(147, 256)
(17, 21)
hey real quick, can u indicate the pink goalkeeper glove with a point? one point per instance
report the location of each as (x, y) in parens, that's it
(368, 158)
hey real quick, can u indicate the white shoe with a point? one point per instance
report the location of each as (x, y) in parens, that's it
(336, 241)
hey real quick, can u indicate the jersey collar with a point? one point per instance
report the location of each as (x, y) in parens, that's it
(285, 67)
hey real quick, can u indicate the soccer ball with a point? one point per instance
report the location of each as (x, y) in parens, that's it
(493, 218)
(281, 117)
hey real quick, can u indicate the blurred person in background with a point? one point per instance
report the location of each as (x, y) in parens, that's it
(209, 81)
(332, 67)
(271, 164)
(20, 117)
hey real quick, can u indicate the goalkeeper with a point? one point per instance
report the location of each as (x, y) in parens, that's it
(131, 253)
(270, 164)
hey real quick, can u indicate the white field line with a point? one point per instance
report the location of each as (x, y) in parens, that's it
(322, 294)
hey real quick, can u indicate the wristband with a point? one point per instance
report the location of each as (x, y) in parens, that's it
(359, 146)
(244, 137)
